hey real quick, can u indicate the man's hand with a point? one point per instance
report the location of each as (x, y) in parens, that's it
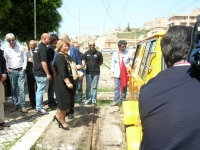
(49, 77)
(78, 66)
(4, 76)
(9, 70)
(30, 60)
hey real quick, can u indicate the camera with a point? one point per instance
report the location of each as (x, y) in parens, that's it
(194, 51)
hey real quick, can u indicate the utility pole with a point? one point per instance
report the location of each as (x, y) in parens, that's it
(35, 35)
(78, 26)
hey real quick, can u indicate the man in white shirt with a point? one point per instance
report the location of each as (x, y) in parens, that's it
(16, 62)
(119, 57)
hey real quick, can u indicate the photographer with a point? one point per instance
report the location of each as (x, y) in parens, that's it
(169, 103)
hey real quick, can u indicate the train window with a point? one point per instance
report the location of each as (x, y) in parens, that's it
(164, 66)
(136, 55)
(146, 60)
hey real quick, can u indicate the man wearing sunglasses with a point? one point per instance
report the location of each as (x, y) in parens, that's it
(16, 61)
(93, 60)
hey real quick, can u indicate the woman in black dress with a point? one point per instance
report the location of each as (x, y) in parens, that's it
(64, 84)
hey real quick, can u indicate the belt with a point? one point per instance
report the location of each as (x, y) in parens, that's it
(16, 68)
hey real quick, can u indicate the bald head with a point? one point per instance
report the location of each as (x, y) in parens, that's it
(64, 36)
(46, 38)
(91, 45)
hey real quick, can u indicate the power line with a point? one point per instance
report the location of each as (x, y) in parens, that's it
(107, 11)
(109, 5)
(170, 8)
(187, 6)
(69, 12)
(124, 11)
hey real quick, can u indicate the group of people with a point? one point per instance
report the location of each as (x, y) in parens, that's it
(49, 61)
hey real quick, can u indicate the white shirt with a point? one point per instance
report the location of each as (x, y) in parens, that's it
(117, 59)
(15, 57)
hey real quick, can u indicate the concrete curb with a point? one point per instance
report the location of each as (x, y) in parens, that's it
(30, 137)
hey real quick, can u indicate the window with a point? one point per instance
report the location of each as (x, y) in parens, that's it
(146, 60)
(136, 55)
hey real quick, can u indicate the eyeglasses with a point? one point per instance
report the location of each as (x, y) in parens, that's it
(11, 41)
(91, 45)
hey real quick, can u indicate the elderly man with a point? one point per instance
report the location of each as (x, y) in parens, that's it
(41, 70)
(16, 62)
(93, 60)
(3, 76)
(29, 72)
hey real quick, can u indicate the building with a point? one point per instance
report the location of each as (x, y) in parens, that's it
(156, 22)
(188, 19)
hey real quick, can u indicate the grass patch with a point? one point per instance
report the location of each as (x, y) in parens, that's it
(105, 90)
(7, 147)
(83, 146)
(104, 102)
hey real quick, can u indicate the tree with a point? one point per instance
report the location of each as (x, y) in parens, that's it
(6, 4)
(128, 28)
(19, 19)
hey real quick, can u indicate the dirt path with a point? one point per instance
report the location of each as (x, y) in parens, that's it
(111, 127)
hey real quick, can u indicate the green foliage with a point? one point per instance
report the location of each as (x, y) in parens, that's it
(131, 35)
(128, 29)
(5, 5)
(19, 19)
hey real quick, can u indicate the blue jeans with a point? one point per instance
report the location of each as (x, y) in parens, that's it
(80, 90)
(17, 77)
(41, 84)
(117, 91)
(91, 80)
(51, 101)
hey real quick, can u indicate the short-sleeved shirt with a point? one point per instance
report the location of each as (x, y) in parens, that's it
(169, 107)
(93, 61)
(39, 55)
(50, 56)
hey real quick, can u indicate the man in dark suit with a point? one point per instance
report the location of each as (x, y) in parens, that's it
(29, 72)
(3, 77)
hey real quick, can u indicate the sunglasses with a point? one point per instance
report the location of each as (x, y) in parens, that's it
(91, 45)
(11, 41)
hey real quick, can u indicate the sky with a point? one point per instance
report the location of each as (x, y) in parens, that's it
(99, 15)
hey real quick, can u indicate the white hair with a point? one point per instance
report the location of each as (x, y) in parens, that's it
(10, 36)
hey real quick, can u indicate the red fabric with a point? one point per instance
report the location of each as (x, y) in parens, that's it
(123, 75)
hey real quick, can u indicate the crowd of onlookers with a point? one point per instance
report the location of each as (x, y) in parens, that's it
(50, 62)
(58, 63)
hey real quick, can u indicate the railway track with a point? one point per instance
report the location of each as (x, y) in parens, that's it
(93, 140)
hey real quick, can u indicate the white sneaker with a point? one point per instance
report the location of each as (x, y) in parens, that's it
(86, 103)
(42, 112)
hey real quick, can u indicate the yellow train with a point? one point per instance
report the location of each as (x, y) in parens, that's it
(147, 63)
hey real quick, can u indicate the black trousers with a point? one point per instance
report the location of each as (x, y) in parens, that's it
(32, 87)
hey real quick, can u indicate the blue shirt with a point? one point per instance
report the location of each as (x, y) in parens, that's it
(117, 59)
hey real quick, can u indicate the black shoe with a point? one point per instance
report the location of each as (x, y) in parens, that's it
(80, 103)
(33, 106)
(70, 116)
(65, 128)
(55, 118)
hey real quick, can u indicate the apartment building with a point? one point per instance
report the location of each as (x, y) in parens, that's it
(188, 19)
(156, 22)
